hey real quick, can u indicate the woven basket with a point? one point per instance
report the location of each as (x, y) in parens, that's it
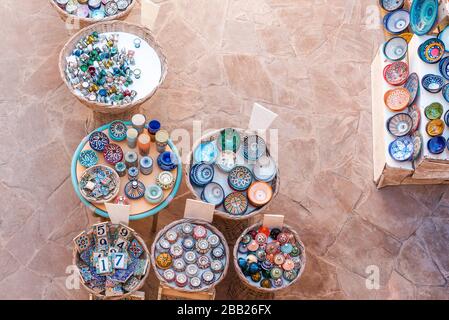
(84, 22)
(260, 289)
(116, 180)
(207, 226)
(112, 26)
(75, 260)
(212, 136)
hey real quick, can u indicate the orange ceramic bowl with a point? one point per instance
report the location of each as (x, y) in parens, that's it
(397, 99)
(435, 127)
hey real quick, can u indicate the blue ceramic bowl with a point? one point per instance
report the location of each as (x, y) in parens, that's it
(446, 118)
(397, 21)
(412, 85)
(401, 149)
(444, 37)
(445, 92)
(395, 49)
(431, 51)
(423, 15)
(432, 83)
(391, 5)
(444, 67)
(436, 145)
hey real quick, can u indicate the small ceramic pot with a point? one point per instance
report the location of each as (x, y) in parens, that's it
(432, 83)
(395, 49)
(431, 51)
(437, 145)
(397, 21)
(435, 127)
(434, 111)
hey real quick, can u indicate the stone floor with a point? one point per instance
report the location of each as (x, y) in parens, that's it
(309, 61)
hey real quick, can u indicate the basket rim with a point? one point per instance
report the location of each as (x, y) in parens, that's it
(260, 289)
(75, 259)
(94, 105)
(217, 212)
(194, 221)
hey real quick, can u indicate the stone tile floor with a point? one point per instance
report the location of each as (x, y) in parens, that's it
(307, 60)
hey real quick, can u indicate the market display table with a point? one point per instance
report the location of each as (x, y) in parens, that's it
(139, 208)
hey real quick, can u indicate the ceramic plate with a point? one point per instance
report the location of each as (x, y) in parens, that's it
(434, 111)
(396, 48)
(445, 92)
(396, 73)
(397, 21)
(417, 144)
(113, 153)
(206, 152)
(436, 145)
(423, 15)
(431, 51)
(397, 99)
(400, 124)
(117, 130)
(401, 149)
(213, 193)
(435, 127)
(415, 113)
(98, 141)
(391, 5)
(444, 67)
(412, 85)
(433, 83)
(88, 158)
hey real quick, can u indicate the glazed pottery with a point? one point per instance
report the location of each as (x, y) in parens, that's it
(113, 153)
(396, 73)
(431, 51)
(201, 174)
(134, 189)
(99, 184)
(435, 127)
(400, 124)
(167, 161)
(229, 140)
(206, 152)
(88, 158)
(235, 203)
(412, 85)
(98, 141)
(397, 21)
(265, 169)
(226, 161)
(260, 193)
(254, 147)
(434, 111)
(445, 92)
(417, 144)
(391, 5)
(444, 37)
(433, 83)
(154, 194)
(446, 118)
(436, 145)
(401, 149)
(397, 99)
(117, 130)
(240, 178)
(423, 15)
(213, 193)
(395, 49)
(444, 67)
(415, 113)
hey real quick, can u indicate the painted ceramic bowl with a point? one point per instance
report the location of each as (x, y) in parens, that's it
(415, 113)
(213, 193)
(206, 152)
(446, 118)
(397, 99)
(432, 83)
(431, 51)
(400, 124)
(412, 85)
(435, 127)
(88, 158)
(423, 15)
(113, 153)
(201, 174)
(445, 92)
(417, 144)
(444, 37)
(391, 5)
(396, 48)
(117, 130)
(434, 111)
(98, 141)
(444, 68)
(436, 145)
(397, 21)
(240, 178)
(401, 149)
(396, 73)
(99, 184)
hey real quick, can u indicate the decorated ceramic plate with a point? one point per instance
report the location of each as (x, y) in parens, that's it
(397, 99)
(213, 193)
(391, 5)
(431, 51)
(423, 15)
(397, 21)
(433, 83)
(412, 85)
(434, 111)
(396, 48)
(236, 203)
(435, 127)
(206, 152)
(401, 149)
(98, 141)
(396, 73)
(417, 144)
(445, 92)
(400, 124)
(240, 178)
(201, 174)
(444, 67)
(436, 145)
(117, 130)
(88, 158)
(415, 113)
(113, 153)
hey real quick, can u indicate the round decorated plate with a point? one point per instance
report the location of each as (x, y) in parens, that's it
(396, 73)
(433, 83)
(436, 145)
(98, 141)
(229, 140)
(117, 130)
(444, 67)
(213, 193)
(201, 174)
(431, 51)
(397, 99)
(254, 147)
(435, 127)
(423, 15)
(434, 111)
(396, 48)
(400, 124)
(113, 153)
(401, 149)
(88, 158)
(236, 203)
(240, 178)
(415, 113)
(206, 152)
(417, 145)
(391, 5)
(397, 21)
(412, 85)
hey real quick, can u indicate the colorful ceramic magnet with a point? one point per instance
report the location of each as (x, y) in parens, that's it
(436, 145)
(236, 203)
(98, 141)
(401, 149)
(396, 74)
(431, 51)
(260, 193)
(134, 189)
(434, 111)
(206, 152)
(117, 130)
(415, 113)
(88, 158)
(423, 15)
(240, 178)
(435, 127)
(397, 21)
(391, 5)
(432, 83)
(265, 169)
(229, 140)
(113, 153)
(213, 193)
(254, 147)
(397, 99)
(400, 124)
(412, 85)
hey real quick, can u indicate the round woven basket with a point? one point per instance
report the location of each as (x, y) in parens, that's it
(116, 180)
(212, 136)
(76, 257)
(260, 289)
(84, 22)
(207, 226)
(112, 26)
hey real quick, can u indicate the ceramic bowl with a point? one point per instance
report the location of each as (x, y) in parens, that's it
(396, 74)
(395, 49)
(397, 21)
(431, 51)
(412, 85)
(435, 127)
(444, 37)
(432, 83)
(434, 111)
(397, 99)
(436, 145)
(417, 144)
(88, 158)
(391, 5)
(423, 15)
(117, 130)
(400, 124)
(444, 67)
(445, 92)
(415, 113)
(401, 149)
(446, 118)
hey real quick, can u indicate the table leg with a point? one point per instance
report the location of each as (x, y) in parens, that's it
(154, 224)
(97, 119)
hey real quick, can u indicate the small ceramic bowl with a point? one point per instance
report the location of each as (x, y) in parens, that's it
(88, 158)
(397, 99)
(445, 92)
(396, 74)
(444, 37)
(423, 15)
(435, 127)
(412, 85)
(397, 21)
(431, 51)
(400, 124)
(395, 49)
(401, 149)
(444, 67)
(434, 111)
(415, 113)
(446, 118)
(432, 83)
(391, 5)
(437, 145)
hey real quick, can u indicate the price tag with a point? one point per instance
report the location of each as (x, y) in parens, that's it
(199, 210)
(261, 118)
(273, 221)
